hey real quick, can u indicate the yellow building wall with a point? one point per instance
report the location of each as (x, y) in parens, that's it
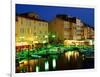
(31, 30)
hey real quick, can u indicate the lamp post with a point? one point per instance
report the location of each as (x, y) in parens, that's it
(53, 36)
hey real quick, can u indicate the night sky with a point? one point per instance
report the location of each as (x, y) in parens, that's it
(49, 12)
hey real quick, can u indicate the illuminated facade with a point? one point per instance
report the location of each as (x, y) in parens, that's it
(67, 28)
(56, 27)
(78, 30)
(88, 32)
(30, 29)
(70, 28)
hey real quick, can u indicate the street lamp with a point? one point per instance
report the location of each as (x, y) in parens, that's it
(53, 36)
(46, 36)
(44, 41)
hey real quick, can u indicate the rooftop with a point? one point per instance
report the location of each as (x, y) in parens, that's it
(31, 15)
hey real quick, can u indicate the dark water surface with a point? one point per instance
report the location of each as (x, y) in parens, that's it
(66, 61)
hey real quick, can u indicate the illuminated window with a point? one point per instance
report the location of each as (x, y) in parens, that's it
(79, 30)
(66, 33)
(40, 24)
(21, 20)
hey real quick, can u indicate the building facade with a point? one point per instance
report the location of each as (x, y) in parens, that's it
(30, 29)
(70, 28)
(67, 28)
(88, 32)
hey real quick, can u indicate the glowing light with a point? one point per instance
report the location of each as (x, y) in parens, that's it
(46, 65)
(73, 42)
(54, 63)
(53, 36)
(25, 62)
(68, 55)
(76, 55)
(36, 42)
(44, 41)
(72, 53)
(83, 57)
(46, 36)
(90, 42)
(36, 36)
(21, 43)
(21, 63)
(21, 37)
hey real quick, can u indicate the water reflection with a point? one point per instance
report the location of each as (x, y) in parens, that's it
(54, 63)
(76, 54)
(46, 65)
(71, 54)
(37, 68)
(64, 61)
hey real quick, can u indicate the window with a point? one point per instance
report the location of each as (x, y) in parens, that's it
(22, 30)
(44, 24)
(79, 30)
(29, 22)
(78, 37)
(39, 23)
(66, 33)
(66, 26)
(34, 27)
(21, 20)
(28, 30)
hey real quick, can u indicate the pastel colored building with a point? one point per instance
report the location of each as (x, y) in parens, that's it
(30, 29)
(70, 28)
